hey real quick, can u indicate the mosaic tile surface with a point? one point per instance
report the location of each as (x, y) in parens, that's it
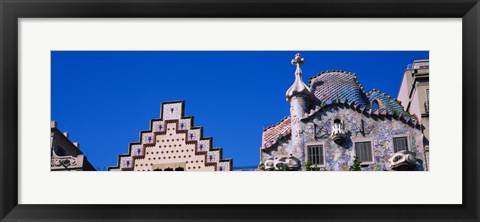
(173, 143)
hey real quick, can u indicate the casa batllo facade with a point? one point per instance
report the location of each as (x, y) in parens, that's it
(173, 144)
(333, 120)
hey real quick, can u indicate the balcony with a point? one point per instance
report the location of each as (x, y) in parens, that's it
(403, 160)
(338, 132)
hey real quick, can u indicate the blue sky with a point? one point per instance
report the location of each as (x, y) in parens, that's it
(104, 99)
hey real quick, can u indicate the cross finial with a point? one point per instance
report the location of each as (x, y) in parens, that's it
(298, 61)
(298, 87)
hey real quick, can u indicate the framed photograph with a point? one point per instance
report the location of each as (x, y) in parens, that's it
(268, 110)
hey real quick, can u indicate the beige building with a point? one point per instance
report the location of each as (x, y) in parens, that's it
(172, 144)
(66, 155)
(414, 96)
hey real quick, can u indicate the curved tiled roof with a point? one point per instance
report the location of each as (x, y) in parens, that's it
(388, 106)
(340, 87)
(337, 84)
(271, 133)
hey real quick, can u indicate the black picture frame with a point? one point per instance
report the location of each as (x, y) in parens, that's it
(11, 11)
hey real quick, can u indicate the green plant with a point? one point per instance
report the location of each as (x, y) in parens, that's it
(282, 168)
(356, 165)
(308, 166)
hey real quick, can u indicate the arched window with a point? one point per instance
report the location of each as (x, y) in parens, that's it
(59, 151)
(168, 169)
(158, 169)
(179, 169)
(376, 104)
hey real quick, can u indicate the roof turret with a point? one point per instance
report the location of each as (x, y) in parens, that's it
(298, 87)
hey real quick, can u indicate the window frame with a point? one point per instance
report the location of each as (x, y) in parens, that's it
(400, 136)
(371, 150)
(324, 162)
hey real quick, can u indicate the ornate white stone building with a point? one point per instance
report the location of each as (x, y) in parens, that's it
(333, 120)
(65, 154)
(173, 144)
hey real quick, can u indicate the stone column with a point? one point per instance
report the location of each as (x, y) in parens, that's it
(298, 107)
(298, 95)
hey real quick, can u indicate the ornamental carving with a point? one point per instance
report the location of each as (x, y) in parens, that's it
(403, 160)
(64, 161)
(290, 163)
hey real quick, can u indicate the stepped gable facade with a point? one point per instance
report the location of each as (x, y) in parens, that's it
(173, 143)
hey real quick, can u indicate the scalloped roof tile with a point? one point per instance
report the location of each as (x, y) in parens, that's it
(388, 105)
(333, 85)
(271, 133)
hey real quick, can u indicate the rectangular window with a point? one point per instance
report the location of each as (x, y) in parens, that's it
(315, 154)
(400, 143)
(363, 151)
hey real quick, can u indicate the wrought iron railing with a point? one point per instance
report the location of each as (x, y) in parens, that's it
(417, 66)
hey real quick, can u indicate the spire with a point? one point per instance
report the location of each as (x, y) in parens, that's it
(298, 87)
(298, 61)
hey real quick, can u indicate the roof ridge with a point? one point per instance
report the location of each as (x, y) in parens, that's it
(329, 71)
(384, 94)
(355, 77)
(275, 124)
(389, 98)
